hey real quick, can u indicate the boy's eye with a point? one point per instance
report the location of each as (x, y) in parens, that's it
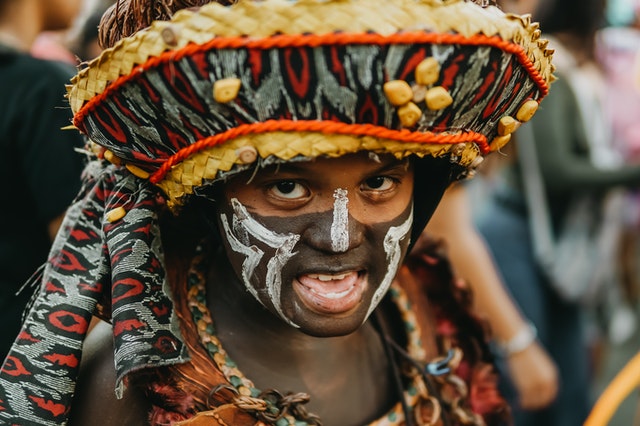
(288, 189)
(378, 183)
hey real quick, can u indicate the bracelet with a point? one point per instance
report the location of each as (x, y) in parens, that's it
(521, 341)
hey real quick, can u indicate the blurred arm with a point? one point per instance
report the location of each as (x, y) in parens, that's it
(532, 371)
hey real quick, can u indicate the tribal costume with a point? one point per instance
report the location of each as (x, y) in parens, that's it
(179, 107)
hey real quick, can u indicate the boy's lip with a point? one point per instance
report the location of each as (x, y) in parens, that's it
(331, 292)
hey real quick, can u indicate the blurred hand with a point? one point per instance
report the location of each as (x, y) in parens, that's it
(535, 376)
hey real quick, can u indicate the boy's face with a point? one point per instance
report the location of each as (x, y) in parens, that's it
(318, 243)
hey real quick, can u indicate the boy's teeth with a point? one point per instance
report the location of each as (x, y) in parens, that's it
(325, 277)
(334, 295)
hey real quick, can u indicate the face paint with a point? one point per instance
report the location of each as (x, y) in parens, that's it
(315, 288)
(340, 225)
(245, 225)
(316, 245)
(394, 252)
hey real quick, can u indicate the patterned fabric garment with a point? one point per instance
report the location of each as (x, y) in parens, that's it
(94, 266)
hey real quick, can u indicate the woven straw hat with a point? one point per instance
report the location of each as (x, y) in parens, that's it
(219, 89)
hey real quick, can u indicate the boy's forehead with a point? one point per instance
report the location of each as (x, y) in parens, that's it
(327, 168)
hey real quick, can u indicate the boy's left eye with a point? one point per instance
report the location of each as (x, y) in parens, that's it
(378, 183)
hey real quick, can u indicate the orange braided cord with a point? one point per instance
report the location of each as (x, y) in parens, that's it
(327, 127)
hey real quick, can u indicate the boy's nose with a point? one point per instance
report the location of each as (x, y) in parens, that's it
(334, 231)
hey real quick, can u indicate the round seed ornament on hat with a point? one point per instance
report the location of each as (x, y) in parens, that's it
(216, 90)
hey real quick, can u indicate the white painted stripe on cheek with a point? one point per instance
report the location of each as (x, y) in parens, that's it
(284, 245)
(252, 254)
(394, 256)
(340, 224)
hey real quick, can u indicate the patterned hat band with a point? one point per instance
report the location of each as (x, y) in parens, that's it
(221, 88)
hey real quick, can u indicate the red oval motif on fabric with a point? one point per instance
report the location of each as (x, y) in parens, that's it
(48, 405)
(77, 323)
(134, 286)
(14, 367)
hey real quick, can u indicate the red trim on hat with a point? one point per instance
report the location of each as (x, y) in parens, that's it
(314, 40)
(328, 127)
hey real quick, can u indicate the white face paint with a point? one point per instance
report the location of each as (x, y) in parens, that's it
(241, 227)
(394, 256)
(283, 244)
(340, 224)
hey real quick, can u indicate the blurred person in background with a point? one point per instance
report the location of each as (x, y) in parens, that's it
(40, 170)
(82, 39)
(76, 42)
(530, 367)
(52, 46)
(618, 50)
(564, 134)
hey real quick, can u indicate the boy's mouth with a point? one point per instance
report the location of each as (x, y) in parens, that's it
(331, 293)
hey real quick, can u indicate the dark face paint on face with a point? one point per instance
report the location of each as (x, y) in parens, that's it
(317, 243)
(289, 265)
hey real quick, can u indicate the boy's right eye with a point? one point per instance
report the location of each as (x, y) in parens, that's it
(288, 189)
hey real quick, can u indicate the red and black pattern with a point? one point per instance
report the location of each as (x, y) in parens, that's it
(170, 106)
(95, 267)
